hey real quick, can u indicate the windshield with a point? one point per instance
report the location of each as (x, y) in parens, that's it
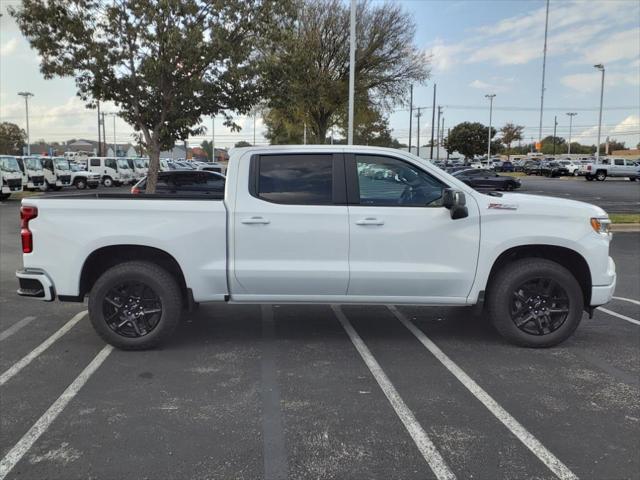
(9, 164)
(33, 163)
(122, 163)
(140, 163)
(61, 163)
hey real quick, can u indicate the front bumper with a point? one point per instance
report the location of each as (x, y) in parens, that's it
(601, 294)
(36, 284)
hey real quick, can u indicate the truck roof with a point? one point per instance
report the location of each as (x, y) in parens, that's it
(239, 151)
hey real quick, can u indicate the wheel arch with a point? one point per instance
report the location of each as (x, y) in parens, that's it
(103, 258)
(568, 258)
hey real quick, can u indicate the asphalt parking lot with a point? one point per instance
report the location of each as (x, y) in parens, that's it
(245, 392)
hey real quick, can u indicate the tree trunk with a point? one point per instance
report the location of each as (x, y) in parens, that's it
(154, 166)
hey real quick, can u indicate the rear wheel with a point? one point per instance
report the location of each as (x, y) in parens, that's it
(633, 179)
(601, 175)
(535, 302)
(80, 184)
(107, 182)
(4, 196)
(135, 305)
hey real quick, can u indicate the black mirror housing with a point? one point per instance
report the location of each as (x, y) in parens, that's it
(456, 202)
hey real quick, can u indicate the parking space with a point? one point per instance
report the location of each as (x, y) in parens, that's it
(310, 391)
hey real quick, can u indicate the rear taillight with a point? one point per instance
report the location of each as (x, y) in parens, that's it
(27, 213)
(135, 190)
(588, 168)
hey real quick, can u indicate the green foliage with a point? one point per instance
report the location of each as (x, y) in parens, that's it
(12, 139)
(511, 133)
(242, 143)
(470, 139)
(207, 146)
(613, 145)
(308, 72)
(164, 63)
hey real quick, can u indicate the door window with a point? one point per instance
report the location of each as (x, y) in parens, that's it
(110, 163)
(295, 179)
(95, 162)
(386, 181)
(619, 161)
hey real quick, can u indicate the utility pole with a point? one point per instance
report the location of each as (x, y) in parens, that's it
(490, 96)
(115, 144)
(433, 119)
(571, 115)
(441, 137)
(99, 135)
(600, 67)
(254, 127)
(438, 135)
(410, 114)
(544, 66)
(555, 124)
(104, 136)
(26, 96)
(352, 73)
(213, 138)
(418, 115)
(448, 133)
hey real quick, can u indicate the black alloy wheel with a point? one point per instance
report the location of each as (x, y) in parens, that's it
(539, 306)
(132, 309)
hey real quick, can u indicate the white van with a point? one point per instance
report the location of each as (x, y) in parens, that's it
(32, 173)
(10, 176)
(139, 167)
(113, 171)
(57, 172)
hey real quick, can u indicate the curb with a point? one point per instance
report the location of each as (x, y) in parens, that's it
(625, 227)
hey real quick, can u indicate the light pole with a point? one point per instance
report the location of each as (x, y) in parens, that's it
(490, 96)
(213, 138)
(571, 115)
(352, 66)
(544, 67)
(26, 96)
(115, 145)
(600, 67)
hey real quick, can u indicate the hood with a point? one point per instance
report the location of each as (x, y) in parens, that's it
(540, 205)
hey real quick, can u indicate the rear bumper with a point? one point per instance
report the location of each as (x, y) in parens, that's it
(601, 294)
(36, 284)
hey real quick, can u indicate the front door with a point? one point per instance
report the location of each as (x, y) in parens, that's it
(291, 231)
(404, 244)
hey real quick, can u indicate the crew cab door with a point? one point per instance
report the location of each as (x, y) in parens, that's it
(290, 228)
(404, 244)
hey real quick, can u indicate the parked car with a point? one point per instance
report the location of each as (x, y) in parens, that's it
(32, 173)
(112, 170)
(487, 179)
(300, 224)
(185, 182)
(57, 172)
(455, 169)
(572, 167)
(507, 166)
(553, 169)
(10, 176)
(531, 167)
(612, 167)
(82, 179)
(212, 167)
(139, 167)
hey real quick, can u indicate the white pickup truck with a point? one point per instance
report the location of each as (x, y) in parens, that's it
(320, 224)
(611, 167)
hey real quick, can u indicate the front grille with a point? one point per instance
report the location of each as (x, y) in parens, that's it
(14, 183)
(65, 179)
(38, 180)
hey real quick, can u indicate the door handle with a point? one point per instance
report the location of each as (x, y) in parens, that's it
(370, 221)
(255, 221)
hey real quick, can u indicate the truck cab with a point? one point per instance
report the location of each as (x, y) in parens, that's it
(113, 171)
(32, 173)
(11, 176)
(139, 167)
(57, 172)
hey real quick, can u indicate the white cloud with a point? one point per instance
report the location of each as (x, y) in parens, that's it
(497, 84)
(590, 82)
(443, 57)
(8, 47)
(622, 131)
(619, 46)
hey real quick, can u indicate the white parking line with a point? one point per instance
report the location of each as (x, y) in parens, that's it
(630, 300)
(26, 442)
(419, 436)
(531, 442)
(27, 359)
(15, 327)
(615, 314)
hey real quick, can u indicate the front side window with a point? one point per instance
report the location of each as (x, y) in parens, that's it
(619, 161)
(110, 163)
(295, 179)
(95, 162)
(123, 164)
(386, 181)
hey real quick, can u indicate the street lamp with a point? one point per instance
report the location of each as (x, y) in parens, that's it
(600, 67)
(115, 145)
(571, 115)
(490, 97)
(26, 96)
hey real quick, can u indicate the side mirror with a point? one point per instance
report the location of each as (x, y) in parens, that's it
(455, 202)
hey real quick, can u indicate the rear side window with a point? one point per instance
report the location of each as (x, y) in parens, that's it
(95, 162)
(619, 161)
(295, 179)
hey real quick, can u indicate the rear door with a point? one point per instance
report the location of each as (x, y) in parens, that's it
(404, 244)
(291, 231)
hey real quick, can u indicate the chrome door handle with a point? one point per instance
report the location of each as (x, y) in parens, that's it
(254, 221)
(370, 221)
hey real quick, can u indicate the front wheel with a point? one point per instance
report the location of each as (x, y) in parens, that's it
(535, 302)
(600, 176)
(135, 305)
(81, 184)
(107, 182)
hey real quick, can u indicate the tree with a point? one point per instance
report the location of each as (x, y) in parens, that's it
(164, 63)
(613, 146)
(242, 143)
(309, 72)
(511, 133)
(548, 145)
(12, 139)
(207, 146)
(470, 139)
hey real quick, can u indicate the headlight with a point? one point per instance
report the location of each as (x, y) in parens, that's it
(601, 225)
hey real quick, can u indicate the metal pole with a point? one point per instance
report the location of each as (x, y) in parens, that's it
(555, 124)
(254, 127)
(410, 114)
(115, 145)
(352, 73)
(448, 133)
(213, 138)
(418, 115)
(601, 68)
(438, 136)
(26, 96)
(490, 97)
(304, 135)
(99, 136)
(571, 115)
(544, 66)
(433, 118)
(104, 135)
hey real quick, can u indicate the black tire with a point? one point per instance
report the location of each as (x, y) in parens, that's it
(93, 186)
(4, 196)
(633, 179)
(509, 187)
(80, 184)
(601, 175)
(157, 281)
(503, 296)
(56, 188)
(107, 182)
(588, 178)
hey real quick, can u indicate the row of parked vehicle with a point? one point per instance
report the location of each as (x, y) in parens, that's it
(54, 173)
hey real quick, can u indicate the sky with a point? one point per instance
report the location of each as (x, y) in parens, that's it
(473, 47)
